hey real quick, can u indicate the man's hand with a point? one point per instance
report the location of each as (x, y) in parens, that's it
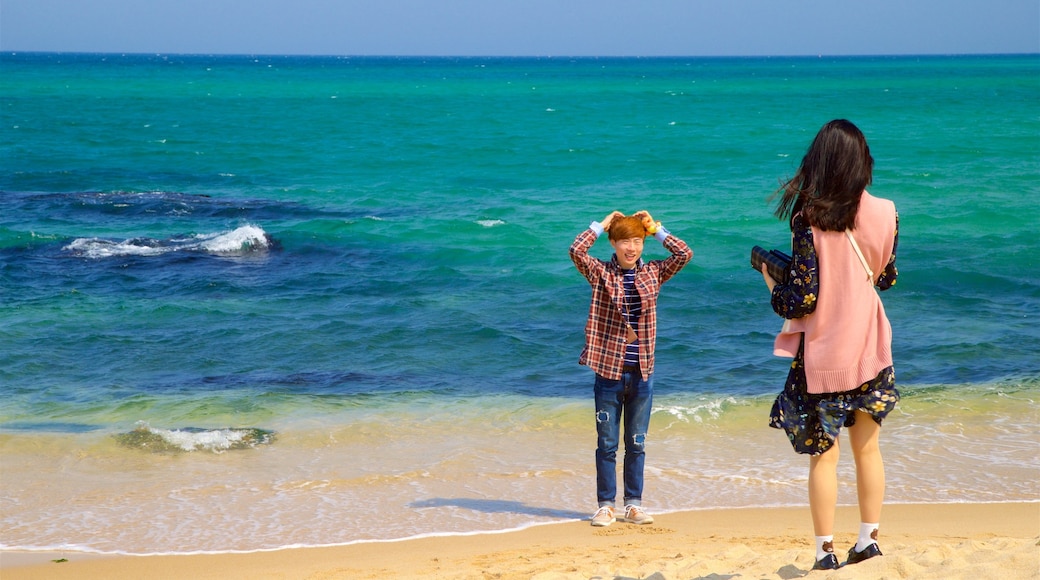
(610, 218)
(648, 222)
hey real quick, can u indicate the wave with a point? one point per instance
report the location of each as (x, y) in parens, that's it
(244, 240)
(193, 439)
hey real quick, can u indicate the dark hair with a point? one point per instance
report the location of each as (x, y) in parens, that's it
(831, 179)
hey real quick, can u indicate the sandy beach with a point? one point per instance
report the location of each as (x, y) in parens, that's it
(948, 541)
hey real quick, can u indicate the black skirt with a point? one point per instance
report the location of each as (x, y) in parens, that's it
(813, 422)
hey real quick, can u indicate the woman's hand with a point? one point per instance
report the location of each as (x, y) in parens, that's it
(770, 282)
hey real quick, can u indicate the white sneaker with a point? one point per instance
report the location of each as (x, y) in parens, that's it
(604, 516)
(635, 514)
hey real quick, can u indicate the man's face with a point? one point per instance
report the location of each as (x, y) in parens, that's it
(628, 251)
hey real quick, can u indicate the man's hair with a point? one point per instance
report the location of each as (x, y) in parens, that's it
(623, 228)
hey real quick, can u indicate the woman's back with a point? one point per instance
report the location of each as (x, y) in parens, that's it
(848, 338)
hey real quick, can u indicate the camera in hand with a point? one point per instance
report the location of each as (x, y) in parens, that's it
(778, 264)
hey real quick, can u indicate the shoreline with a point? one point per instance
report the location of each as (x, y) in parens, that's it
(957, 540)
(457, 465)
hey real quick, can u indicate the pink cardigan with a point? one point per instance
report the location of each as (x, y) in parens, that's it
(848, 339)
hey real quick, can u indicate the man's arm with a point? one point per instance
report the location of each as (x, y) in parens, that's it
(681, 252)
(579, 250)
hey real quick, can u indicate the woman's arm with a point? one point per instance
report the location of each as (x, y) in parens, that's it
(797, 297)
(888, 277)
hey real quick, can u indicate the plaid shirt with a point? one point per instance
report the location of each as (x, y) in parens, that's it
(604, 350)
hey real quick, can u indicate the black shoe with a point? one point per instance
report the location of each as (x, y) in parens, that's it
(829, 562)
(867, 553)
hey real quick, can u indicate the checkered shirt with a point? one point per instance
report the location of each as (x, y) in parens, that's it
(604, 350)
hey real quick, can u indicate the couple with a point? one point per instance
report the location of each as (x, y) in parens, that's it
(836, 331)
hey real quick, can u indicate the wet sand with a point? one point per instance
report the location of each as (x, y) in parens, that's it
(950, 541)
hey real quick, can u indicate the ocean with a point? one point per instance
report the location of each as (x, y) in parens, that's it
(256, 302)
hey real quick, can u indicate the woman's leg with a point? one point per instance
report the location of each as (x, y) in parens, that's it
(870, 469)
(823, 489)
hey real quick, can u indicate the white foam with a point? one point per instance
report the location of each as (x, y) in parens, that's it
(214, 440)
(242, 240)
(684, 413)
(219, 440)
(99, 248)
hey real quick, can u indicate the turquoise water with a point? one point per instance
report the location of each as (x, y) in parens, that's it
(366, 258)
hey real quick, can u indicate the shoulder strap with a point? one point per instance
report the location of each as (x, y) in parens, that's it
(862, 260)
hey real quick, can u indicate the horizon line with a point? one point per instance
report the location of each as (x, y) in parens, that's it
(518, 56)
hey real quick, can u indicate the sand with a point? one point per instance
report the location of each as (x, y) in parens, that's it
(942, 541)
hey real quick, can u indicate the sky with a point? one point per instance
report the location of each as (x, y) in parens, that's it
(523, 27)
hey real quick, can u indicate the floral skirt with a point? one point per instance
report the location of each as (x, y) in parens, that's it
(813, 422)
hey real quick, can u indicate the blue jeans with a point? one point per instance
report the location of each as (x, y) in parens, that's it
(631, 398)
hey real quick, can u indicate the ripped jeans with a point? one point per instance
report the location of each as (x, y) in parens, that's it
(630, 397)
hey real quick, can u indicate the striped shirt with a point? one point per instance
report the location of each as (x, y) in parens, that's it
(605, 344)
(631, 307)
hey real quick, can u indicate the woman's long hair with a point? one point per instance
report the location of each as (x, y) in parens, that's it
(831, 179)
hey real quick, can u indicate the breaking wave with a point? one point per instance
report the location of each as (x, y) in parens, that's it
(193, 439)
(244, 240)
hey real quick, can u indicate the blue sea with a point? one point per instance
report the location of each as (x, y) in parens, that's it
(254, 302)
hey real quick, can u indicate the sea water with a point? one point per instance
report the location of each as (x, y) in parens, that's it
(250, 302)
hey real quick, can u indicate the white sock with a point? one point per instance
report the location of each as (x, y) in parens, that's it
(867, 536)
(821, 542)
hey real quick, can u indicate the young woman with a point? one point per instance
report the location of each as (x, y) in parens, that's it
(843, 245)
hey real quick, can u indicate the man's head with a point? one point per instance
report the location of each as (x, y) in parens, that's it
(626, 237)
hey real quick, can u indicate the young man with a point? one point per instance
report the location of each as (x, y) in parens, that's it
(619, 346)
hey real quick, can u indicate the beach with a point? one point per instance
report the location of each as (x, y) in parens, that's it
(949, 541)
